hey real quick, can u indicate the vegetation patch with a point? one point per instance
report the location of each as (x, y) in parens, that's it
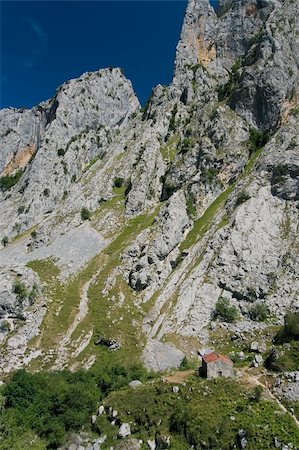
(8, 181)
(53, 404)
(243, 196)
(169, 151)
(257, 139)
(191, 205)
(203, 224)
(199, 415)
(224, 311)
(284, 357)
(85, 214)
(259, 312)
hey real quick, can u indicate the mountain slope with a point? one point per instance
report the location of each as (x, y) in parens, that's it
(132, 223)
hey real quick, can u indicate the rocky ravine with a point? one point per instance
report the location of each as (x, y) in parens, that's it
(191, 198)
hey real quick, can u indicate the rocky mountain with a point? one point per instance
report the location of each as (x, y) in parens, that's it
(123, 226)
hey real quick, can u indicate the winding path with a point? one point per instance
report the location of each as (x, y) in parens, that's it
(255, 380)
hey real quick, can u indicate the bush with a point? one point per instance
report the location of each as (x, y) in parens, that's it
(60, 152)
(191, 205)
(285, 359)
(225, 311)
(8, 181)
(118, 182)
(20, 290)
(259, 312)
(85, 214)
(242, 197)
(33, 293)
(185, 145)
(257, 394)
(167, 190)
(4, 241)
(33, 234)
(208, 174)
(185, 364)
(257, 139)
(291, 325)
(51, 404)
(46, 192)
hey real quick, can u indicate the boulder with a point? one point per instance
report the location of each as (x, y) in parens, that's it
(124, 430)
(135, 383)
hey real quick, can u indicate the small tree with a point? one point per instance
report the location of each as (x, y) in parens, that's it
(243, 196)
(259, 312)
(225, 311)
(85, 214)
(20, 290)
(257, 139)
(291, 325)
(185, 364)
(4, 241)
(118, 182)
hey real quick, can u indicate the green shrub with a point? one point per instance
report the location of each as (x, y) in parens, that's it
(285, 359)
(60, 152)
(21, 209)
(257, 394)
(208, 174)
(185, 145)
(279, 172)
(51, 404)
(33, 293)
(243, 196)
(4, 327)
(33, 234)
(259, 312)
(191, 205)
(20, 290)
(291, 325)
(46, 192)
(117, 376)
(8, 181)
(85, 214)
(4, 241)
(257, 139)
(118, 182)
(168, 190)
(185, 364)
(225, 90)
(225, 311)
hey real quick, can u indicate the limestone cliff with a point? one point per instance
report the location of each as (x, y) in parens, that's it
(136, 221)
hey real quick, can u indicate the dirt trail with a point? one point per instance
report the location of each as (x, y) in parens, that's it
(62, 351)
(178, 377)
(254, 379)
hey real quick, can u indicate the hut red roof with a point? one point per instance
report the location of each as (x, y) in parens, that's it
(212, 357)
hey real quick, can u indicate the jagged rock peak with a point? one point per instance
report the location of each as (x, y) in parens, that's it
(101, 98)
(216, 37)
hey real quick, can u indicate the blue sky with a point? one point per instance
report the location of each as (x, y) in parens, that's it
(45, 43)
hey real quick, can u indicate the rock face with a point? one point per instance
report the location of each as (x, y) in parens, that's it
(153, 214)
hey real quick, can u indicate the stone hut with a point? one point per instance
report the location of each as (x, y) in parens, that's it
(215, 365)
